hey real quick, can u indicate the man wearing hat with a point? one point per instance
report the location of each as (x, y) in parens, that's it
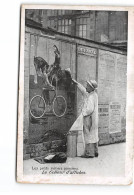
(90, 118)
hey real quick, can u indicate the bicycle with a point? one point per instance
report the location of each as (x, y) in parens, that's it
(38, 105)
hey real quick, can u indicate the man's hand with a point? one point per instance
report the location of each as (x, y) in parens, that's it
(74, 81)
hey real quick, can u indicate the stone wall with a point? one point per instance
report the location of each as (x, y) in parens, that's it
(44, 148)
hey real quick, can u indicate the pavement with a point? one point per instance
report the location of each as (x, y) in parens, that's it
(109, 163)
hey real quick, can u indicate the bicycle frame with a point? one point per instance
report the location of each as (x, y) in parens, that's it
(43, 96)
(55, 93)
(51, 101)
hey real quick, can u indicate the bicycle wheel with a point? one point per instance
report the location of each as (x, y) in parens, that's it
(59, 106)
(37, 106)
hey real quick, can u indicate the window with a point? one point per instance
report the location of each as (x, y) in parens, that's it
(64, 26)
(52, 12)
(52, 24)
(81, 27)
(59, 12)
(55, 12)
(63, 12)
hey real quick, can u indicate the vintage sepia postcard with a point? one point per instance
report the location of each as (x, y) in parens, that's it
(76, 95)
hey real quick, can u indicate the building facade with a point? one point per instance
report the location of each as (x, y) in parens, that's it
(101, 26)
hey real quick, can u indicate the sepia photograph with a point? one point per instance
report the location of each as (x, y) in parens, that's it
(72, 125)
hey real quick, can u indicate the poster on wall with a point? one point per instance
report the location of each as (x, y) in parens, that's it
(121, 82)
(112, 80)
(114, 117)
(72, 55)
(103, 126)
(106, 75)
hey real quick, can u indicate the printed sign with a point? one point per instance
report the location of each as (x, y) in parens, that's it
(87, 51)
(114, 117)
(103, 118)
